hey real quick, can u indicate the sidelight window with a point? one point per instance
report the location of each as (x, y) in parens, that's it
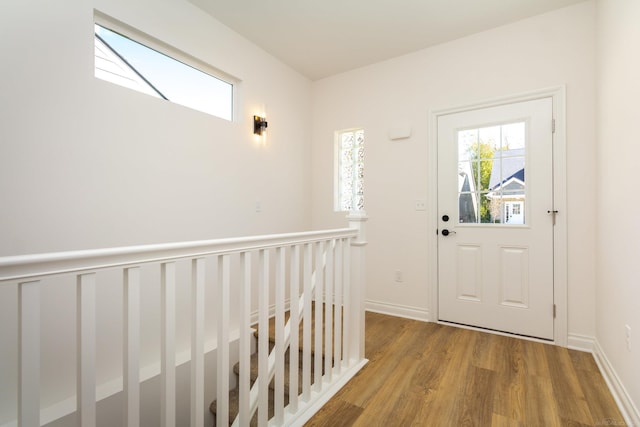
(349, 170)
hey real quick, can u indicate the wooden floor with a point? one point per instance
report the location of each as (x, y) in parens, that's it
(425, 374)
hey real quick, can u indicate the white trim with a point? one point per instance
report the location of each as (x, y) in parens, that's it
(178, 54)
(558, 95)
(318, 400)
(38, 265)
(405, 311)
(626, 405)
(581, 343)
(560, 244)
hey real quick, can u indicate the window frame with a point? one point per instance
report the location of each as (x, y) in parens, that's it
(174, 53)
(337, 195)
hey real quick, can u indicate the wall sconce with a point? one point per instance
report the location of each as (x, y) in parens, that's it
(259, 125)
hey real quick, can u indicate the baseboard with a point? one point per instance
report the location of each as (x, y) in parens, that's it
(618, 391)
(408, 312)
(317, 401)
(398, 310)
(253, 320)
(581, 343)
(627, 407)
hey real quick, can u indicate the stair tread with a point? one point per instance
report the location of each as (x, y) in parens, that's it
(234, 394)
(234, 407)
(254, 372)
(272, 329)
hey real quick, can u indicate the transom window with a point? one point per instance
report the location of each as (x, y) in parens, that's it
(350, 170)
(126, 62)
(491, 174)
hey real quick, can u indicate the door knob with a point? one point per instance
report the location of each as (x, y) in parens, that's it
(445, 218)
(446, 232)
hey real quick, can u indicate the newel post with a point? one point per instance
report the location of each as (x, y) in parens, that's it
(357, 220)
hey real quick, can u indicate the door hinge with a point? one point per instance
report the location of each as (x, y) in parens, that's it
(554, 311)
(553, 125)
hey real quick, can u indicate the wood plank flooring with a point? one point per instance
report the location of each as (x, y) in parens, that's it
(425, 374)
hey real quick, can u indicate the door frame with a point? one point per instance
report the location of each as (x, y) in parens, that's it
(559, 171)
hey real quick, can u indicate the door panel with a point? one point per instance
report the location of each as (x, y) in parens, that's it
(514, 280)
(469, 273)
(495, 259)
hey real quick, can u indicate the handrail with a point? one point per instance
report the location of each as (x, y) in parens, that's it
(38, 265)
(31, 274)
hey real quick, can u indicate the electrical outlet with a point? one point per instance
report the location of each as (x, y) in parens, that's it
(398, 276)
(627, 330)
(421, 205)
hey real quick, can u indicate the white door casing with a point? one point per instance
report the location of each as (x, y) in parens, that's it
(496, 272)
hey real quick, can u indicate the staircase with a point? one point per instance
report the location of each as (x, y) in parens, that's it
(254, 362)
(282, 271)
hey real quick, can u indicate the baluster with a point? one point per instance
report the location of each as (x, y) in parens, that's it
(29, 354)
(245, 337)
(86, 349)
(329, 311)
(294, 321)
(222, 394)
(346, 302)
(168, 344)
(306, 325)
(197, 342)
(279, 326)
(131, 334)
(263, 337)
(317, 369)
(338, 306)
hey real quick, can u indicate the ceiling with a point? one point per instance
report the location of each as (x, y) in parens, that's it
(325, 37)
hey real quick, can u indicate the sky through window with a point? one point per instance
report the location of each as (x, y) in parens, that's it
(171, 79)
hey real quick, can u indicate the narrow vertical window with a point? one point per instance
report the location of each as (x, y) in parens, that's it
(350, 170)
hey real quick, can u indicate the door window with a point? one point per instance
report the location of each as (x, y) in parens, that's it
(491, 174)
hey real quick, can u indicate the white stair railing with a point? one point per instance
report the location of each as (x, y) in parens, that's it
(275, 360)
(285, 264)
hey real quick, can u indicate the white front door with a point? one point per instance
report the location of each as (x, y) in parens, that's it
(495, 218)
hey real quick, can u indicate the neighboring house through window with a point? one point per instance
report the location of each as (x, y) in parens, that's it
(507, 187)
(491, 174)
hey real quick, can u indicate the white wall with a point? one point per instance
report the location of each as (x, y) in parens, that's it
(544, 51)
(618, 232)
(87, 164)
